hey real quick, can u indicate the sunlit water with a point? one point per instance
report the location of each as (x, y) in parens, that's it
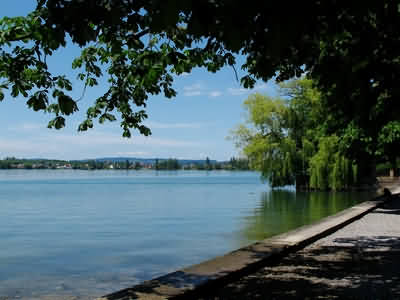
(88, 233)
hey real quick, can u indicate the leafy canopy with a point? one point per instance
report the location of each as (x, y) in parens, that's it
(351, 50)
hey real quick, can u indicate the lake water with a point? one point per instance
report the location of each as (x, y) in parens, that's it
(87, 233)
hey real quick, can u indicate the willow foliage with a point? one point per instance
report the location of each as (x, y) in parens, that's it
(329, 169)
(285, 140)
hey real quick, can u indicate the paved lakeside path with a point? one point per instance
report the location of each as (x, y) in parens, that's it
(359, 261)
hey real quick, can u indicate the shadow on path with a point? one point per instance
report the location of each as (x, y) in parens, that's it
(359, 263)
(354, 268)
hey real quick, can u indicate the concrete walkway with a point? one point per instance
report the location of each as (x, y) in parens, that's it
(359, 261)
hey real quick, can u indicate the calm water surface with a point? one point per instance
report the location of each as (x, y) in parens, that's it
(88, 233)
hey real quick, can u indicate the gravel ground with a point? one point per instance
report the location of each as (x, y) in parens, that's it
(360, 261)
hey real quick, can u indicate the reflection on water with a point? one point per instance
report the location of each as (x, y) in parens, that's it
(282, 210)
(74, 234)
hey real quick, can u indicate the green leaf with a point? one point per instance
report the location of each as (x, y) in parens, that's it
(15, 91)
(57, 123)
(60, 123)
(67, 105)
(126, 133)
(38, 101)
(91, 81)
(85, 125)
(77, 63)
(248, 81)
(107, 116)
(81, 76)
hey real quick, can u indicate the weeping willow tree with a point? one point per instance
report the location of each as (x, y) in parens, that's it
(284, 138)
(329, 168)
(264, 139)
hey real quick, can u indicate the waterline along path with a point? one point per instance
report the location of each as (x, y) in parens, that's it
(360, 261)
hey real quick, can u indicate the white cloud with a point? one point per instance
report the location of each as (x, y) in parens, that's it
(199, 89)
(202, 156)
(102, 138)
(215, 94)
(134, 153)
(260, 87)
(237, 91)
(242, 91)
(24, 127)
(192, 93)
(159, 125)
(196, 86)
(26, 148)
(193, 90)
(87, 144)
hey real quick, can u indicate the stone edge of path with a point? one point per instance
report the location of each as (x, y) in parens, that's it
(200, 278)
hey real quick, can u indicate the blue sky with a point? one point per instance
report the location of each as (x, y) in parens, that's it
(192, 125)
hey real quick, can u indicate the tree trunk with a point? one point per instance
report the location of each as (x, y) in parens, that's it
(366, 173)
(302, 182)
(393, 167)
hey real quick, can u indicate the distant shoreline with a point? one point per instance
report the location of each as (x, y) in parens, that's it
(120, 163)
